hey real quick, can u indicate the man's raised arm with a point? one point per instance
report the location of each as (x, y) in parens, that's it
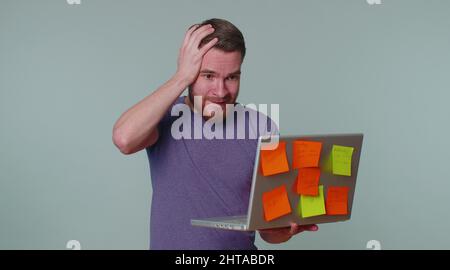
(136, 128)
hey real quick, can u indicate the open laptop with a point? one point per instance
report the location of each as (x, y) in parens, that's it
(255, 218)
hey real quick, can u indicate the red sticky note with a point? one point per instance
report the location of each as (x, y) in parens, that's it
(306, 154)
(274, 161)
(337, 201)
(276, 203)
(308, 181)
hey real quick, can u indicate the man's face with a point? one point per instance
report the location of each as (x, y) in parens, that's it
(218, 80)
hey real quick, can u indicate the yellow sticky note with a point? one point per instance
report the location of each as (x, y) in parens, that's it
(310, 206)
(341, 159)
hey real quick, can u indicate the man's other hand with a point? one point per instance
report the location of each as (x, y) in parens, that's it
(280, 235)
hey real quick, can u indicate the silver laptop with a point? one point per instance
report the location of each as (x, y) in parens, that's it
(254, 220)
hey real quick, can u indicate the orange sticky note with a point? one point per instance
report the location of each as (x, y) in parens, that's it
(274, 161)
(308, 181)
(306, 154)
(276, 203)
(337, 201)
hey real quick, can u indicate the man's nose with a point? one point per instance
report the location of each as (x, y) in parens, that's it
(221, 90)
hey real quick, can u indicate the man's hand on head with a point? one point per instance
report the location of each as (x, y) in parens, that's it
(190, 56)
(280, 235)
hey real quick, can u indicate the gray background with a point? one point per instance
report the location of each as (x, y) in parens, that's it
(68, 71)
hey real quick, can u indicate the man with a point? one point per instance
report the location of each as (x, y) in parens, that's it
(204, 177)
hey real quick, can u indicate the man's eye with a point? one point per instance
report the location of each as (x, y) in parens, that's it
(208, 76)
(233, 78)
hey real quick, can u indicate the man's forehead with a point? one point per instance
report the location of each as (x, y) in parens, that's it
(220, 61)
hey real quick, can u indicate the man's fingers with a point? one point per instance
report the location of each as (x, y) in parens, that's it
(208, 46)
(198, 35)
(200, 30)
(193, 27)
(295, 228)
(311, 228)
(189, 33)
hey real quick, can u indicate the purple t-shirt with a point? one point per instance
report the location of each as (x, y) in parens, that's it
(198, 178)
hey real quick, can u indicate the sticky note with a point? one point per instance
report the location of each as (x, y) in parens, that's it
(310, 206)
(337, 201)
(308, 181)
(276, 203)
(274, 161)
(306, 154)
(341, 159)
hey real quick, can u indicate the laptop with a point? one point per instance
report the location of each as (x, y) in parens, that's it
(257, 214)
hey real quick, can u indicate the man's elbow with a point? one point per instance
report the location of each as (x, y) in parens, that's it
(121, 141)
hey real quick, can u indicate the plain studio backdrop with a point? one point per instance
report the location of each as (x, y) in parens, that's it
(67, 72)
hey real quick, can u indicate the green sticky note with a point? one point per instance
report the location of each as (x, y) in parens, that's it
(310, 206)
(341, 158)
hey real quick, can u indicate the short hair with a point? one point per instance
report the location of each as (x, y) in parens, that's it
(230, 38)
